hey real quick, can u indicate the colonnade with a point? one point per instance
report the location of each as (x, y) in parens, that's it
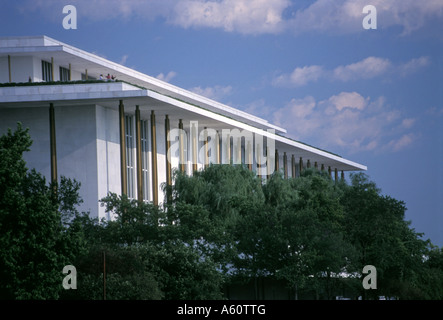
(248, 152)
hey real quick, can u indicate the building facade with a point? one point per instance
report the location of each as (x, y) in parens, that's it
(128, 135)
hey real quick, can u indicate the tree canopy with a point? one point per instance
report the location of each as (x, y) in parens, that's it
(34, 244)
(221, 226)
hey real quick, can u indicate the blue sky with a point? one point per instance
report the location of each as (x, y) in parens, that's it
(373, 96)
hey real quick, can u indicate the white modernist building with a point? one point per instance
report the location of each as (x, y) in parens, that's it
(126, 136)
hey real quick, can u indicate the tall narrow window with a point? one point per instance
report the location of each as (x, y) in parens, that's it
(64, 74)
(130, 170)
(46, 71)
(145, 159)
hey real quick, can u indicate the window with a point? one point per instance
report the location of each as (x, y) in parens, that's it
(130, 172)
(145, 158)
(64, 74)
(46, 71)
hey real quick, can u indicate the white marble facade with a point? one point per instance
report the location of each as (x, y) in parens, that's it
(87, 122)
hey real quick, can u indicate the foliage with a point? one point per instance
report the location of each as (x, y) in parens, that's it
(375, 224)
(34, 245)
(127, 276)
(143, 260)
(220, 225)
(207, 207)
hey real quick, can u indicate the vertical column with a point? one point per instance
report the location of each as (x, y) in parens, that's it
(168, 146)
(285, 165)
(86, 74)
(124, 177)
(154, 160)
(258, 157)
(329, 171)
(293, 165)
(300, 165)
(194, 146)
(52, 69)
(277, 168)
(70, 72)
(168, 162)
(336, 175)
(53, 150)
(238, 151)
(182, 147)
(322, 167)
(342, 175)
(249, 155)
(308, 164)
(206, 148)
(315, 165)
(138, 150)
(9, 68)
(217, 148)
(228, 149)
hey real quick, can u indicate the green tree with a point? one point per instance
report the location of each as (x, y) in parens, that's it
(146, 257)
(34, 244)
(375, 224)
(106, 271)
(430, 284)
(183, 273)
(221, 224)
(207, 206)
(316, 251)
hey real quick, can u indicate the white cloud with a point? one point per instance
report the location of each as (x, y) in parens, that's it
(215, 93)
(296, 108)
(243, 16)
(410, 14)
(348, 100)
(346, 121)
(364, 69)
(258, 108)
(102, 10)
(124, 59)
(367, 68)
(300, 76)
(325, 16)
(168, 77)
(254, 17)
(345, 16)
(402, 142)
(408, 123)
(413, 65)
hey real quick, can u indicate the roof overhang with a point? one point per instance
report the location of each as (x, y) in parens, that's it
(108, 94)
(65, 55)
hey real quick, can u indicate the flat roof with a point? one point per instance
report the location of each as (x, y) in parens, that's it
(64, 54)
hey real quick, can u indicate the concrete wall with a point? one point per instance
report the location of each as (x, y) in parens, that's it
(76, 145)
(77, 150)
(21, 69)
(108, 155)
(4, 73)
(88, 149)
(24, 67)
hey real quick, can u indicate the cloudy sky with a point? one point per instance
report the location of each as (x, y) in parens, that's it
(374, 96)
